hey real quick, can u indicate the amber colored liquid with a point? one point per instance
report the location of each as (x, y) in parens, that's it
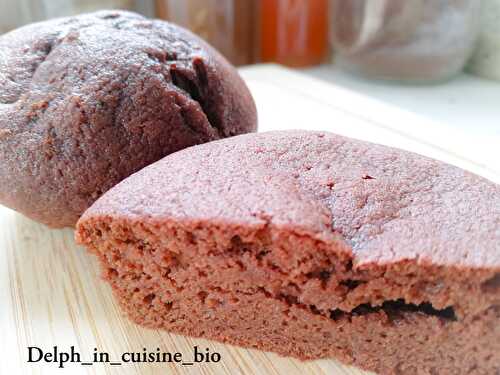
(228, 25)
(293, 32)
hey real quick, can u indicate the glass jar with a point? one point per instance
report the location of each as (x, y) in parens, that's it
(293, 32)
(410, 40)
(16, 13)
(486, 59)
(225, 24)
(58, 8)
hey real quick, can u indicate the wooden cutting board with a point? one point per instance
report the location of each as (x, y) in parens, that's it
(50, 288)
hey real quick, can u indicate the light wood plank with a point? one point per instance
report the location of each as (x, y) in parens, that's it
(50, 288)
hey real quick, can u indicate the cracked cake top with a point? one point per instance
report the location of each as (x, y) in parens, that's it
(86, 101)
(387, 205)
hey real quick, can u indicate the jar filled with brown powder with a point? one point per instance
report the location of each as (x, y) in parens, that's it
(413, 40)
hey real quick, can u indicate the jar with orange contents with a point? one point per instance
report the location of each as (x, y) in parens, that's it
(293, 32)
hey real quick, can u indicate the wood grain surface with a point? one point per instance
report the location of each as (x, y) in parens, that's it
(50, 289)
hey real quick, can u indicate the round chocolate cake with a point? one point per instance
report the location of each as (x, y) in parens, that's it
(86, 101)
(311, 245)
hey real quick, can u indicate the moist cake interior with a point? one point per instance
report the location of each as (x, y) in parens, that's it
(288, 292)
